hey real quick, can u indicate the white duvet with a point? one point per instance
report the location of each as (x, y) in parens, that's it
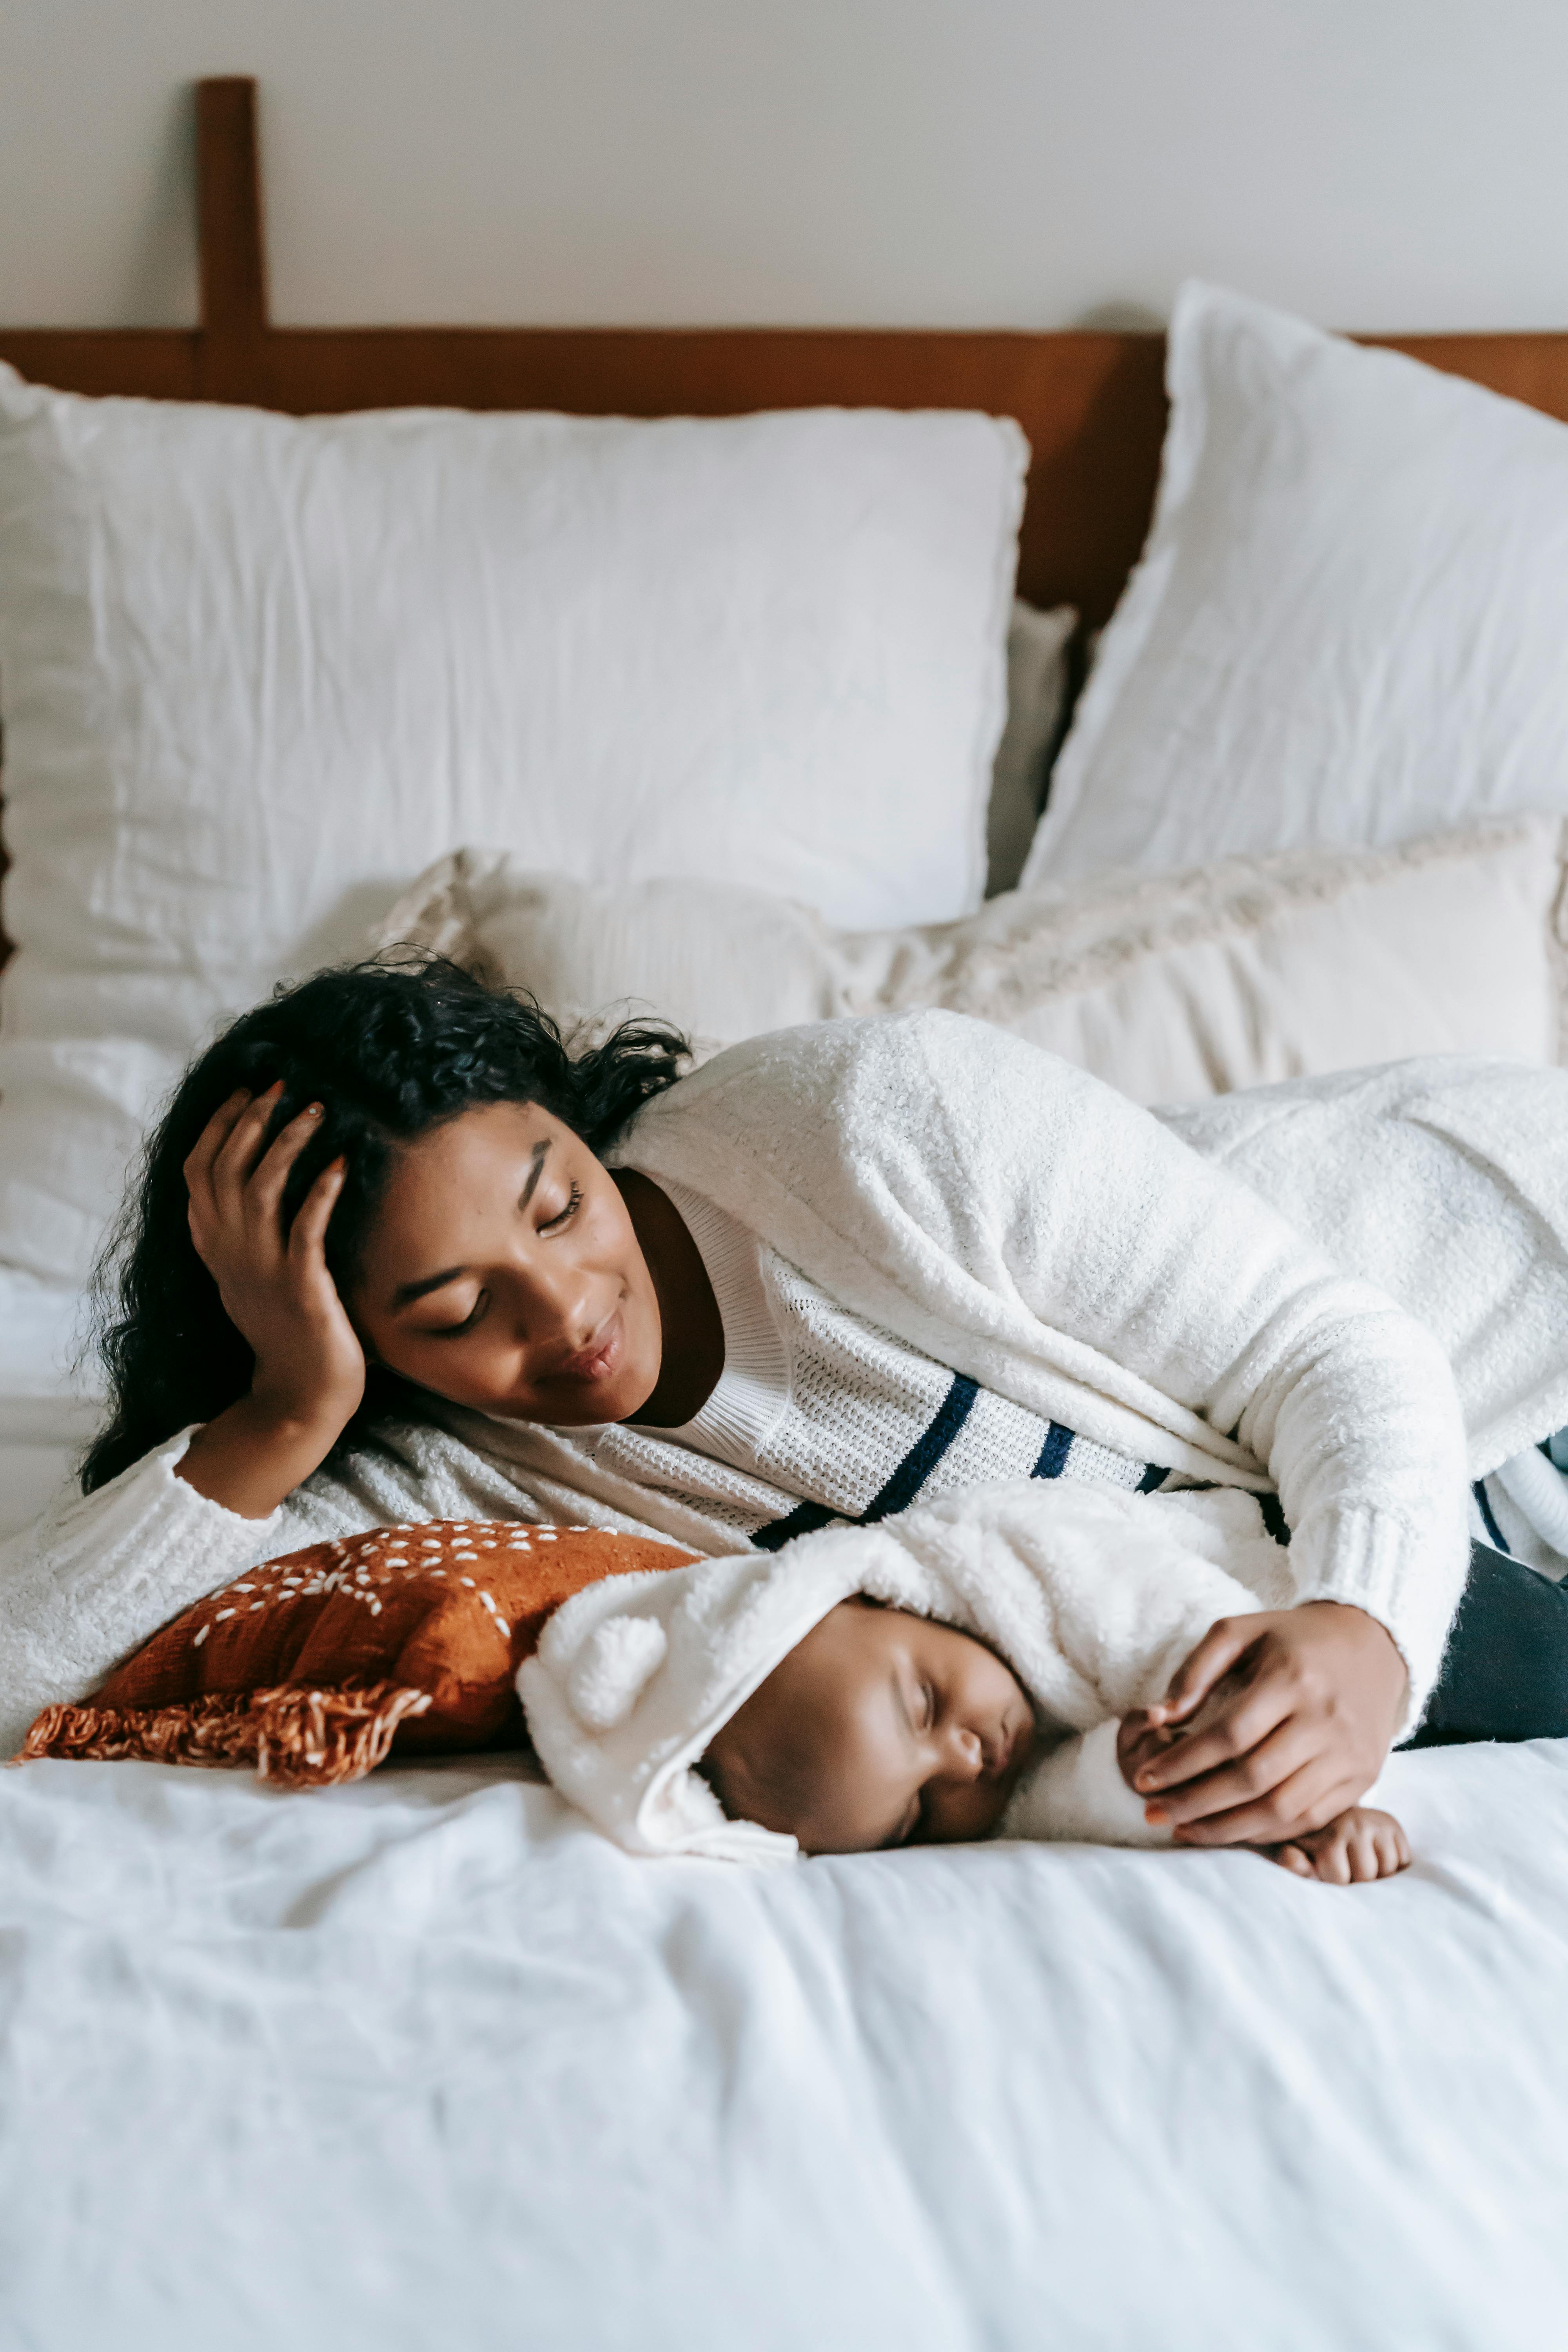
(428, 2063)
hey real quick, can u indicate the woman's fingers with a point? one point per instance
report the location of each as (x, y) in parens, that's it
(238, 1155)
(265, 1186)
(308, 1233)
(1240, 1722)
(1244, 1779)
(1138, 1741)
(1215, 1654)
(1304, 1802)
(199, 1160)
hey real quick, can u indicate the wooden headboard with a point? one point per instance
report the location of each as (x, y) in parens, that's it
(1091, 404)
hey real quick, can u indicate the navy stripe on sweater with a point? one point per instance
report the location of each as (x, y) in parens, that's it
(899, 1491)
(1054, 1453)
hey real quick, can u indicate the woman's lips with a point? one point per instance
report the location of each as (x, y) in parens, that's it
(598, 1359)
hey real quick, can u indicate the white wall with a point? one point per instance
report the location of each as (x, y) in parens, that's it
(1375, 163)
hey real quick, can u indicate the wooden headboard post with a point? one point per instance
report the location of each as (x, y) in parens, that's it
(231, 350)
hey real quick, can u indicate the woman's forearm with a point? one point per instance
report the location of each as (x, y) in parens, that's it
(251, 1458)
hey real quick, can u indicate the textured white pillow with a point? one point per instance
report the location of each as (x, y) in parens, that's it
(1350, 623)
(1171, 988)
(256, 669)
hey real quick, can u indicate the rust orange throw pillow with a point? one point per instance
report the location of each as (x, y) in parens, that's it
(315, 1667)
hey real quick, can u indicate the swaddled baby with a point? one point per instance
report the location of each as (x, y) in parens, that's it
(1012, 1658)
(884, 1728)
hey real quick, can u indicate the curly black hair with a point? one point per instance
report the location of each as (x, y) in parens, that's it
(391, 1049)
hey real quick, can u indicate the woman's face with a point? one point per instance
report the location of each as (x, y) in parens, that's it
(502, 1271)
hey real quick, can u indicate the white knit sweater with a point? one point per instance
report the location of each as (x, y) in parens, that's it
(1022, 1224)
(819, 1415)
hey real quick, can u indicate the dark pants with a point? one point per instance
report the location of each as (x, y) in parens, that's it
(1504, 1675)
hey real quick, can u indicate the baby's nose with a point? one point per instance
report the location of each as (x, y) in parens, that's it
(966, 1755)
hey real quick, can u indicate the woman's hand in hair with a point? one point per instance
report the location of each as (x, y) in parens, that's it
(278, 1294)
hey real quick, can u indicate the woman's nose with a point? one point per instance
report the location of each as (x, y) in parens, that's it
(557, 1303)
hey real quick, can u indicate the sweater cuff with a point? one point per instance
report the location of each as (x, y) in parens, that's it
(152, 1491)
(100, 1573)
(1409, 1578)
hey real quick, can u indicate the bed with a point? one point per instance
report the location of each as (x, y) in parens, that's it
(426, 2059)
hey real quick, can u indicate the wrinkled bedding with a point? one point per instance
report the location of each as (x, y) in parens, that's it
(426, 2061)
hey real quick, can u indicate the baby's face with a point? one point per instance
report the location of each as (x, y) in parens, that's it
(879, 1728)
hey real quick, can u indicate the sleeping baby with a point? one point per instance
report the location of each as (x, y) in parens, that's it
(995, 1662)
(883, 1728)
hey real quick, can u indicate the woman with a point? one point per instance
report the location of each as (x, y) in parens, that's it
(394, 1253)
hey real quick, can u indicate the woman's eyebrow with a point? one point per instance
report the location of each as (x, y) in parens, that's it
(535, 1169)
(408, 1292)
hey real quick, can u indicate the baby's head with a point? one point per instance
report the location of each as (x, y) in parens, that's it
(880, 1729)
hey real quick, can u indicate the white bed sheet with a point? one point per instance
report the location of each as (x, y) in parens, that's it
(424, 2061)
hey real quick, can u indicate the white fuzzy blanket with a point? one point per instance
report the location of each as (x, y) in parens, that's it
(1093, 1596)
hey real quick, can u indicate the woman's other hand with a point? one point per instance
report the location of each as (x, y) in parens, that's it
(1274, 1725)
(278, 1294)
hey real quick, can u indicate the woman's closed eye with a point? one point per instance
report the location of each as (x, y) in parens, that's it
(563, 1216)
(469, 1321)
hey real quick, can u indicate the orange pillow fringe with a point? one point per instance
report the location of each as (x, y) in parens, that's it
(300, 1739)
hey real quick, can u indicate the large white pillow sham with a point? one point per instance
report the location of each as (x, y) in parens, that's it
(255, 669)
(1349, 625)
(1171, 988)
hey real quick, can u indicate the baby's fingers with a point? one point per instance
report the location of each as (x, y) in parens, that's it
(1388, 1847)
(1291, 1858)
(1333, 1857)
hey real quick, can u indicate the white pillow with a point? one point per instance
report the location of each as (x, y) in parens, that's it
(1350, 624)
(255, 668)
(1036, 700)
(1171, 988)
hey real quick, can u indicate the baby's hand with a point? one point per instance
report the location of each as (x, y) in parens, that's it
(1357, 1846)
